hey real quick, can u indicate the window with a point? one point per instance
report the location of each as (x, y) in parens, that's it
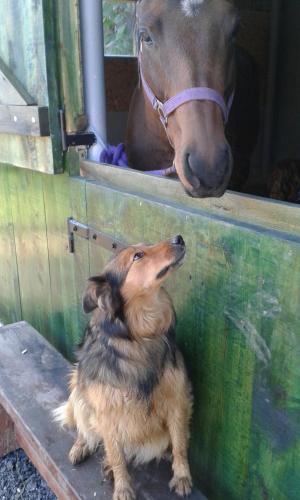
(118, 22)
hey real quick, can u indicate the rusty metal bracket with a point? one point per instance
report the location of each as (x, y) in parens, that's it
(88, 233)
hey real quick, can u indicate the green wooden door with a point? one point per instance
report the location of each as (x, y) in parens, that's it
(39, 75)
(237, 299)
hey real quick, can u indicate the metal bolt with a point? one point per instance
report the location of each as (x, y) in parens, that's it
(75, 228)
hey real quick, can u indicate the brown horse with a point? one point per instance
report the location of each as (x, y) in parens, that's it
(185, 44)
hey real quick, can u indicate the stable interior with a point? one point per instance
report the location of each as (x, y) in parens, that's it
(270, 33)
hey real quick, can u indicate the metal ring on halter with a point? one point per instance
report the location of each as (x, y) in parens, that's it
(159, 107)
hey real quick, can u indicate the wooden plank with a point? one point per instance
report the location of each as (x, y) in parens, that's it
(28, 45)
(8, 441)
(44, 387)
(69, 51)
(252, 210)
(68, 272)
(237, 300)
(34, 153)
(30, 231)
(12, 91)
(10, 303)
(24, 120)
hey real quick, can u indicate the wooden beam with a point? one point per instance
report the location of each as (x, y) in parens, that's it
(12, 91)
(8, 441)
(24, 120)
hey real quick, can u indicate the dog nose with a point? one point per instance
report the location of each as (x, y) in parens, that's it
(178, 240)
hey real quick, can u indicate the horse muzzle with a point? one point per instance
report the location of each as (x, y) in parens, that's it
(202, 178)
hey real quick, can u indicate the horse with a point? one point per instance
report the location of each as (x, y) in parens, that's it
(190, 72)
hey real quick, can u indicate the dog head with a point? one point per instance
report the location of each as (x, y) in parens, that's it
(136, 271)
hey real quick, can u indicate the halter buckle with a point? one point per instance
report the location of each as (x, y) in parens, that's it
(159, 107)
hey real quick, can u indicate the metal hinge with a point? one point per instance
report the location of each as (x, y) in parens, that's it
(86, 139)
(90, 234)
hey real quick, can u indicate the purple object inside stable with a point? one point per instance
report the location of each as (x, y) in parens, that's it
(116, 155)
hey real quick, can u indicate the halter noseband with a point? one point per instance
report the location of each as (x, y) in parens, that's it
(191, 94)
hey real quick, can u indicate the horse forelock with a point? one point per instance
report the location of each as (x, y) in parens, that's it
(189, 7)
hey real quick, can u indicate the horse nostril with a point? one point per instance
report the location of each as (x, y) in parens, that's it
(192, 161)
(178, 240)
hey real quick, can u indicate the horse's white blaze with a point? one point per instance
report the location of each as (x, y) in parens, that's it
(188, 6)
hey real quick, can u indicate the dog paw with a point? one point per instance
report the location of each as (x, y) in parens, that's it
(181, 485)
(77, 454)
(125, 493)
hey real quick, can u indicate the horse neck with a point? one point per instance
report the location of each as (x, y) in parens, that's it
(148, 147)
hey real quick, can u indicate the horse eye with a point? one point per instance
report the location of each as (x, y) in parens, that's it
(145, 37)
(138, 255)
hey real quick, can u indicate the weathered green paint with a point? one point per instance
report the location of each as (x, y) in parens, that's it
(12, 91)
(28, 49)
(237, 299)
(237, 296)
(10, 305)
(244, 208)
(70, 64)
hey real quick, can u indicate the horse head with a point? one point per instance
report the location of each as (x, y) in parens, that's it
(187, 44)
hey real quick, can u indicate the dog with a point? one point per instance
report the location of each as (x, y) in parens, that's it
(129, 389)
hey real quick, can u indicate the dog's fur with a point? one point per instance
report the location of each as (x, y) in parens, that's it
(129, 388)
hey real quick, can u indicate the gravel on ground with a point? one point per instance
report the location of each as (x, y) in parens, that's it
(19, 479)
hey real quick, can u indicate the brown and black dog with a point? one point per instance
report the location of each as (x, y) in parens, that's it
(129, 388)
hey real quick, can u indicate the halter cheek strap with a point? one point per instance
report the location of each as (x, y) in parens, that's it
(191, 94)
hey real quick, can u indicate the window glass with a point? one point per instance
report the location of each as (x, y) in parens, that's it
(118, 21)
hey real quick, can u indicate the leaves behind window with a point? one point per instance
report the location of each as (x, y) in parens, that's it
(118, 22)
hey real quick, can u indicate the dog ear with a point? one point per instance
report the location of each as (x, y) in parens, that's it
(103, 292)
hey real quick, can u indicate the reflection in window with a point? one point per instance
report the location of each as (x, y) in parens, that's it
(118, 21)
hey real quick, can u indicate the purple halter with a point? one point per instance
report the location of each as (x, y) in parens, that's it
(191, 94)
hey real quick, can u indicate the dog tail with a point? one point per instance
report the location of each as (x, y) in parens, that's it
(64, 415)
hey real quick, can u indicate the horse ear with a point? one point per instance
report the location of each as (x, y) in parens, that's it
(100, 293)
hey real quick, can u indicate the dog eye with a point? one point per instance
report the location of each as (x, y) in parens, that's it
(138, 255)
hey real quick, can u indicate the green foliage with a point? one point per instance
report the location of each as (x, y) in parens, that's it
(118, 21)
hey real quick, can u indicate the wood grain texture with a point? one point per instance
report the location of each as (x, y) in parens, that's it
(12, 91)
(70, 74)
(30, 232)
(44, 387)
(24, 120)
(68, 272)
(10, 304)
(237, 298)
(8, 441)
(251, 210)
(28, 49)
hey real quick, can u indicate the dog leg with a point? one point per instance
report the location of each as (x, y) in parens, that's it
(116, 460)
(178, 429)
(79, 451)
